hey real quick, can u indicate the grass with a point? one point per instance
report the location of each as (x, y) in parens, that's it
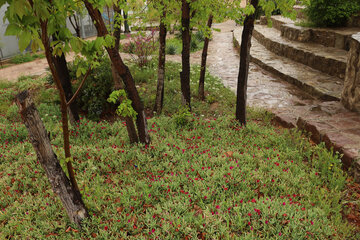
(27, 57)
(203, 175)
(174, 45)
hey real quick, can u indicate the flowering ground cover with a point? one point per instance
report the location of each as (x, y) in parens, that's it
(203, 176)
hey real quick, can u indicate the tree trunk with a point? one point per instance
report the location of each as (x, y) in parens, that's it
(60, 184)
(185, 55)
(126, 24)
(161, 68)
(244, 66)
(203, 62)
(117, 35)
(64, 76)
(63, 106)
(75, 25)
(124, 73)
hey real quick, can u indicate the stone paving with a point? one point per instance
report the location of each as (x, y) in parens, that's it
(327, 121)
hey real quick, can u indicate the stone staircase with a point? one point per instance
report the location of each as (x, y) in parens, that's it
(324, 63)
(312, 59)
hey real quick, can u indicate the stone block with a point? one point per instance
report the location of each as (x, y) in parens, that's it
(351, 92)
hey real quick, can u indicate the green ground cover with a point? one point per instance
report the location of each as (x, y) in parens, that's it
(203, 176)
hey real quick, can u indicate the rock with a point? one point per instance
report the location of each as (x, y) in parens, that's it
(351, 92)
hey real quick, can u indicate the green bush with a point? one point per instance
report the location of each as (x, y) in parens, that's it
(193, 45)
(171, 49)
(199, 36)
(331, 13)
(97, 88)
(182, 117)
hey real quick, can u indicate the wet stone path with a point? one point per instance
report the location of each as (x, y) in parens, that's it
(327, 121)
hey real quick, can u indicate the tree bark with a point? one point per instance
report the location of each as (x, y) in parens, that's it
(63, 106)
(203, 62)
(64, 76)
(126, 23)
(185, 55)
(75, 25)
(161, 68)
(124, 73)
(60, 184)
(244, 65)
(117, 35)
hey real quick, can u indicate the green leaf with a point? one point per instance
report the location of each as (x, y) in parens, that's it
(69, 159)
(98, 42)
(76, 44)
(24, 40)
(20, 10)
(109, 41)
(34, 46)
(12, 29)
(79, 71)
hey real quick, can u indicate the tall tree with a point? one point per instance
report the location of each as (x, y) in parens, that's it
(203, 61)
(161, 63)
(37, 20)
(286, 8)
(244, 65)
(126, 22)
(185, 54)
(122, 69)
(64, 75)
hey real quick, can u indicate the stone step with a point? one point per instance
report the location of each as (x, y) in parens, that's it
(328, 60)
(276, 21)
(328, 37)
(312, 81)
(299, 11)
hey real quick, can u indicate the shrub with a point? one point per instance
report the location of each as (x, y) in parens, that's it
(193, 45)
(97, 87)
(142, 46)
(199, 36)
(182, 117)
(171, 49)
(331, 13)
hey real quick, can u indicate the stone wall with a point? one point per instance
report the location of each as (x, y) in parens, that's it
(354, 21)
(351, 92)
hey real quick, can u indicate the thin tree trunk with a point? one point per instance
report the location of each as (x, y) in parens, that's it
(161, 68)
(244, 66)
(203, 62)
(117, 79)
(131, 130)
(124, 73)
(63, 107)
(186, 38)
(126, 24)
(64, 76)
(117, 35)
(75, 25)
(60, 184)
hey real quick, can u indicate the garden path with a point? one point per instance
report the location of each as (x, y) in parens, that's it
(327, 121)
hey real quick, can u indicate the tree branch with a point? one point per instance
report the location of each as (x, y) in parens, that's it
(80, 86)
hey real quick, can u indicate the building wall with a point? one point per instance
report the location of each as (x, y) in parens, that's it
(9, 44)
